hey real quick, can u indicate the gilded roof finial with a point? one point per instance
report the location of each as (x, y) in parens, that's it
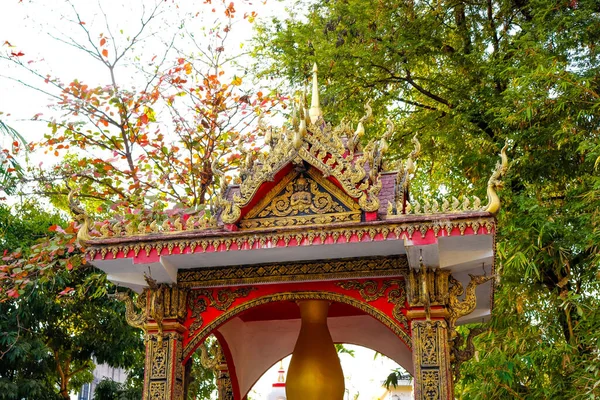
(494, 182)
(315, 108)
(83, 235)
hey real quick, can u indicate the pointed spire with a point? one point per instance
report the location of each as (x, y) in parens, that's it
(315, 108)
(281, 373)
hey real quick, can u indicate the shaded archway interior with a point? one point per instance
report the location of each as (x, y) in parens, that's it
(259, 337)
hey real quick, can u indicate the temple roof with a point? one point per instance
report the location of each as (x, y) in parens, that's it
(316, 187)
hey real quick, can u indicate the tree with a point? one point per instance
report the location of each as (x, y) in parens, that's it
(129, 152)
(135, 151)
(467, 77)
(50, 330)
(160, 139)
(10, 169)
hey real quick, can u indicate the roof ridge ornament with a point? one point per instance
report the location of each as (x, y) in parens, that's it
(80, 215)
(494, 182)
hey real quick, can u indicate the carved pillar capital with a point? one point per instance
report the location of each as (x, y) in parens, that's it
(160, 310)
(427, 292)
(436, 301)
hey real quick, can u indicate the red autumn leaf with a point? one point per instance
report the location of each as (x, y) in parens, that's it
(102, 42)
(19, 54)
(105, 53)
(66, 291)
(144, 119)
(13, 293)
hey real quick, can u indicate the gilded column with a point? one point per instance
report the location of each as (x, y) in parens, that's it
(435, 305)
(164, 373)
(427, 299)
(224, 386)
(433, 378)
(162, 310)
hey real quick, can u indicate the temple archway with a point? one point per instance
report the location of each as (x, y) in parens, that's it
(258, 333)
(317, 218)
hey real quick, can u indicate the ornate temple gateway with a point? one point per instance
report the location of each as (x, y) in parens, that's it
(318, 244)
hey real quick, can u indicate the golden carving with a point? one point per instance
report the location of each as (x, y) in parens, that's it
(165, 302)
(199, 336)
(398, 230)
(427, 287)
(201, 299)
(83, 234)
(371, 291)
(316, 143)
(458, 308)
(164, 375)
(157, 390)
(293, 272)
(431, 359)
(159, 363)
(133, 318)
(430, 385)
(494, 182)
(300, 199)
(157, 303)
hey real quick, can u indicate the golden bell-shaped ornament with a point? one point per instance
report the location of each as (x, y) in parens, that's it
(315, 372)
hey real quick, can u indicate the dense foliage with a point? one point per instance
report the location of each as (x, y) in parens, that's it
(50, 339)
(466, 77)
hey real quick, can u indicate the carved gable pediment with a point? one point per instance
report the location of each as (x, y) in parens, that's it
(302, 198)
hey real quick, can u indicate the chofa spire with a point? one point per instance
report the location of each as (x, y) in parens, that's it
(315, 108)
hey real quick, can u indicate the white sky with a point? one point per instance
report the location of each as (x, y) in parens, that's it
(30, 27)
(363, 374)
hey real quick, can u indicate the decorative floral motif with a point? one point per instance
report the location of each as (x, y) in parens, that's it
(201, 299)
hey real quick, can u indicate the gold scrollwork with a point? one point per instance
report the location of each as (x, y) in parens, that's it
(134, 318)
(199, 336)
(371, 291)
(80, 215)
(430, 355)
(458, 308)
(302, 199)
(204, 298)
(164, 378)
(293, 272)
(427, 287)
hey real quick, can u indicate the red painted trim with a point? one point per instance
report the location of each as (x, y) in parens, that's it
(230, 364)
(250, 244)
(371, 216)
